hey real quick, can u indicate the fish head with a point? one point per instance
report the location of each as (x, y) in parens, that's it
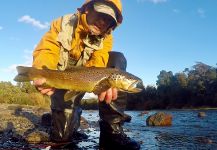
(126, 82)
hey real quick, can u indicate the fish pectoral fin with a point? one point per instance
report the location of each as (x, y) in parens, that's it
(69, 94)
(44, 85)
(45, 67)
(102, 86)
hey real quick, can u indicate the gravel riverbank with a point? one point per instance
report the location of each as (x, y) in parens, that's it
(21, 128)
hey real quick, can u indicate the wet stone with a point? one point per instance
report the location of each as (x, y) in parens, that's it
(37, 137)
(159, 119)
(201, 114)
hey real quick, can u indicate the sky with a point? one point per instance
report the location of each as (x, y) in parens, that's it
(155, 35)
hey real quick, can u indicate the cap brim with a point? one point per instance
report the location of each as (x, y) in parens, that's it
(106, 9)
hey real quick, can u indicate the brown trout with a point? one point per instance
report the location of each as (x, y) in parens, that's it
(83, 79)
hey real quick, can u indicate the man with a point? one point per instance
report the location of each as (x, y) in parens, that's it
(85, 39)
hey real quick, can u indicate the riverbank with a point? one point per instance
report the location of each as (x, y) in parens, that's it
(188, 131)
(21, 127)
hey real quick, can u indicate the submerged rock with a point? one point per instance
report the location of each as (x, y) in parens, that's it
(159, 119)
(201, 114)
(204, 140)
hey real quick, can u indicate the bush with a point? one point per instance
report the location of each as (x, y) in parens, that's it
(25, 95)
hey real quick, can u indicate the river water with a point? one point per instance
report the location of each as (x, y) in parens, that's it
(187, 132)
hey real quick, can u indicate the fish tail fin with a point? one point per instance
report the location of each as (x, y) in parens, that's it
(23, 74)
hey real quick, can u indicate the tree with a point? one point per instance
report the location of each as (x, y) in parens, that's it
(26, 87)
(164, 79)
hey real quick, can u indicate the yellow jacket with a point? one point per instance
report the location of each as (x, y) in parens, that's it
(47, 52)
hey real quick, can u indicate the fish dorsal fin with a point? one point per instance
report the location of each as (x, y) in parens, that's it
(102, 86)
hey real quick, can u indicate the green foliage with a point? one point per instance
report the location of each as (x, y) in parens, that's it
(22, 93)
(164, 79)
(196, 87)
(26, 87)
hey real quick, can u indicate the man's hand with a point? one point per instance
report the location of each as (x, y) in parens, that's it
(38, 84)
(109, 95)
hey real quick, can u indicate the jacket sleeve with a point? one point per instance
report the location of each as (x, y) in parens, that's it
(47, 51)
(100, 57)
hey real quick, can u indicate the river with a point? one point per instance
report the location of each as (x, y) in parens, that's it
(188, 131)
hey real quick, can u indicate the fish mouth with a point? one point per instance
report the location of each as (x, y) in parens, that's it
(136, 87)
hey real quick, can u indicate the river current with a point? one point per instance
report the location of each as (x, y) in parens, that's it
(188, 131)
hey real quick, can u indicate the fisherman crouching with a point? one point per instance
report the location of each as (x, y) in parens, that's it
(85, 39)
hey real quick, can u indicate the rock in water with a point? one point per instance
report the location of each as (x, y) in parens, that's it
(201, 114)
(159, 119)
(37, 137)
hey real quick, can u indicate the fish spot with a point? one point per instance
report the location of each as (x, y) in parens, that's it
(116, 77)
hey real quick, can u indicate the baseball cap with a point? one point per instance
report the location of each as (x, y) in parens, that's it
(105, 8)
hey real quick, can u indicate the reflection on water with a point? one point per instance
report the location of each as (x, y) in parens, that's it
(188, 131)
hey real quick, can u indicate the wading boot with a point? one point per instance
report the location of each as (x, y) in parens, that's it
(117, 139)
(112, 115)
(112, 135)
(65, 117)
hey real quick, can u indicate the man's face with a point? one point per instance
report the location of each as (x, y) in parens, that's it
(99, 23)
